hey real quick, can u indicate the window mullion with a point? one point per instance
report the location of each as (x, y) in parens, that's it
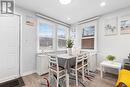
(55, 38)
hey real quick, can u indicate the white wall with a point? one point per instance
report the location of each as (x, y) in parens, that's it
(117, 45)
(28, 44)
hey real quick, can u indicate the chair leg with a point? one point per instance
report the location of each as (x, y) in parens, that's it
(88, 69)
(49, 76)
(57, 80)
(76, 77)
(83, 74)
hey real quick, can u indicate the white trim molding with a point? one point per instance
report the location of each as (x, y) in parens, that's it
(28, 73)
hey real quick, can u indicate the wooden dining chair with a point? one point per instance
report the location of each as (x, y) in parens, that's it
(78, 66)
(55, 69)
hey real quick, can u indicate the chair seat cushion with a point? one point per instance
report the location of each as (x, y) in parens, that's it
(54, 67)
(54, 70)
(79, 65)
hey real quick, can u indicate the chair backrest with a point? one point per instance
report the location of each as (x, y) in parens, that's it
(76, 51)
(80, 57)
(86, 58)
(53, 61)
(79, 60)
(86, 55)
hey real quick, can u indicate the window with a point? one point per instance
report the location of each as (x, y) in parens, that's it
(89, 36)
(45, 36)
(51, 36)
(88, 31)
(62, 36)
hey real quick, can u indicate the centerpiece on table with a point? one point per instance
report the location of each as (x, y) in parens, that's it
(69, 44)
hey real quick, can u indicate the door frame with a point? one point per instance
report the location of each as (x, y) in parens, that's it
(20, 39)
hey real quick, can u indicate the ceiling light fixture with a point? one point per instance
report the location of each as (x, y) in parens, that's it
(68, 18)
(65, 2)
(103, 4)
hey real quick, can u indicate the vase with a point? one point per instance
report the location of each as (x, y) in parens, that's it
(69, 51)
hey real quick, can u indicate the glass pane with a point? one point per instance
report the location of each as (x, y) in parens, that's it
(88, 43)
(45, 36)
(61, 43)
(61, 33)
(73, 33)
(88, 31)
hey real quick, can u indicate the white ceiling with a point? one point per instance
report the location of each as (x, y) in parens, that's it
(77, 10)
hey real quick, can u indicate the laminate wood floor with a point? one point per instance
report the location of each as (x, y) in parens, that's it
(109, 80)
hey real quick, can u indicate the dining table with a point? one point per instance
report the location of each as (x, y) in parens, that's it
(66, 61)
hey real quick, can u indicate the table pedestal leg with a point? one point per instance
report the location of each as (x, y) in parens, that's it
(67, 79)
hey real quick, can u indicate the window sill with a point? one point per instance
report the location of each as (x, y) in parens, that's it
(88, 37)
(89, 50)
(62, 49)
(40, 51)
(48, 51)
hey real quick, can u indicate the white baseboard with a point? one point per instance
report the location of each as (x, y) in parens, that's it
(28, 73)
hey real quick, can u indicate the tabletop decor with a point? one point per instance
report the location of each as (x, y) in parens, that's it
(69, 44)
(110, 57)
